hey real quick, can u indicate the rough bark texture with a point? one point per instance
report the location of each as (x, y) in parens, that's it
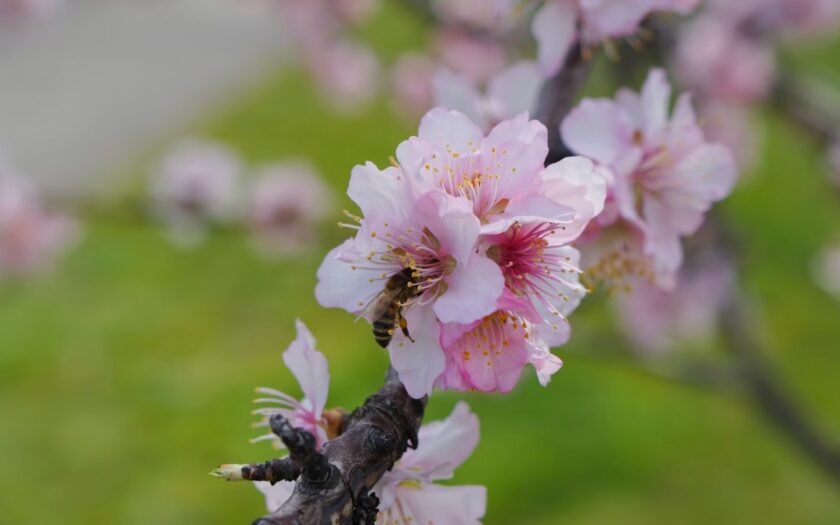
(334, 484)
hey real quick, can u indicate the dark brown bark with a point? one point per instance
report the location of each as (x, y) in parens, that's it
(334, 483)
(557, 97)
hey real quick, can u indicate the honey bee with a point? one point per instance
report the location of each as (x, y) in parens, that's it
(386, 309)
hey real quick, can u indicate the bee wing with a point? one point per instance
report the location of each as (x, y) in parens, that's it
(374, 307)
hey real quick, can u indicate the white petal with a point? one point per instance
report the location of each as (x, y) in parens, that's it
(418, 363)
(444, 445)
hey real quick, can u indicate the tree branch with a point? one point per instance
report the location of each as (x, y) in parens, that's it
(776, 404)
(556, 99)
(334, 483)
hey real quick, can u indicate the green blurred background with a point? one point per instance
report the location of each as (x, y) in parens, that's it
(128, 374)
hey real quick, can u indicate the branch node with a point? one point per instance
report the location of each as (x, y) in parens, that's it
(366, 509)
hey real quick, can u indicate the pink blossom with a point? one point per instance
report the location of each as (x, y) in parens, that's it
(408, 494)
(195, 186)
(717, 59)
(489, 355)
(411, 84)
(529, 213)
(355, 11)
(12, 9)
(558, 24)
(512, 91)
(31, 239)
(287, 203)
(729, 124)
(347, 74)
(655, 319)
(494, 16)
(434, 235)
(478, 220)
(774, 19)
(827, 270)
(311, 371)
(477, 59)
(665, 174)
(309, 367)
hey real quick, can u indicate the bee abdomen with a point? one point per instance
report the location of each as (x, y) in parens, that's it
(383, 330)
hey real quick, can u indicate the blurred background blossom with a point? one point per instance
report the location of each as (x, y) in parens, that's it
(138, 358)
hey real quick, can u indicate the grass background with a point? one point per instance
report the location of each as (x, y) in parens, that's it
(127, 374)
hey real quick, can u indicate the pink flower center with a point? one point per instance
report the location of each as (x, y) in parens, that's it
(492, 336)
(531, 264)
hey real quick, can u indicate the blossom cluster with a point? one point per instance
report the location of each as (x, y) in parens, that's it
(407, 493)
(663, 178)
(484, 229)
(200, 184)
(727, 56)
(345, 70)
(31, 238)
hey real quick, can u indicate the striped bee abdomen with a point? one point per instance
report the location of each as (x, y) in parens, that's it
(383, 326)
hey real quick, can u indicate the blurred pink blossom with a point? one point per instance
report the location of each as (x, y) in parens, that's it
(729, 124)
(665, 174)
(512, 91)
(31, 239)
(13, 9)
(475, 58)
(655, 319)
(717, 59)
(494, 16)
(774, 19)
(287, 202)
(195, 186)
(347, 74)
(411, 84)
(827, 270)
(558, 24)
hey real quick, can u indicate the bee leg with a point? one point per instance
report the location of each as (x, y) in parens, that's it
(404, 327)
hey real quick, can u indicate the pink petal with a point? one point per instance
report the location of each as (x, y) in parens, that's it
(576, 183)
(656, 98)
(342, 286)
(545, 363)
(554, 30)
(380, 193)
(598, 129)
(472, 292)
(275, 495)
(456, 92)
(444, 445)
(418, 363)
(450, 131)
(309, 367)
(451, 220)
(449, 505)
(516, 89)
